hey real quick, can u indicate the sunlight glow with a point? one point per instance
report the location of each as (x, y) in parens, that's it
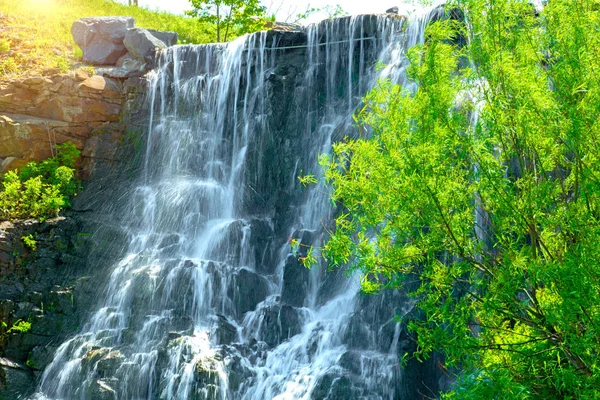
(41, 4)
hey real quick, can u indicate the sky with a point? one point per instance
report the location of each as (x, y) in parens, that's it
(283, 9)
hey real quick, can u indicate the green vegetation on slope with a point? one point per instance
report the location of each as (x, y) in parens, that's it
(35, 35)
(40, 190)
(496, 218)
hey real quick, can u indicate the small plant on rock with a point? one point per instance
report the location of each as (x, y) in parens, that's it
(30, 242)
(20, 326)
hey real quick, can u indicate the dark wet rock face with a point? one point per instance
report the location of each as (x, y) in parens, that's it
(224, 331)
(50, 289)
(246, 290)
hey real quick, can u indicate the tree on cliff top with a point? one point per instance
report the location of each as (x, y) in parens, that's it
(491, 206)
(234, 17)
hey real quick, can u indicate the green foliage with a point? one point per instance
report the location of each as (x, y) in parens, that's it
(231, 17)
(40, 190)
(330, 11)
(31, 364)
(334, 11)
(20, 326)
(30, 242)
(483, 185)
(305, 253)
(309, 259)
(306, 180)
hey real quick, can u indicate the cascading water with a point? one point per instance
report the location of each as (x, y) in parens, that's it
(209, 302)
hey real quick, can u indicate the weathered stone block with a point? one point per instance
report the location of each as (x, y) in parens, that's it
(168, 38)
(101, 38)
(15, 380)
(141, 44)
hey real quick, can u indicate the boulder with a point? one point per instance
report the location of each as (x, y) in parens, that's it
(246, 290)
(142, 44)
(101, 38)
(284, 27)
(126, 67)
(15, 380)
(103, 53)
(223, 331)
(332, 386)
(206, 378)
(102, 389)
(61, 301)
(112, 29)
(108, 364)
(40, 356)
(168, 38)
(279, 323)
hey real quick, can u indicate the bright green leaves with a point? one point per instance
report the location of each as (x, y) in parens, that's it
(231, 17)
(484, 185)
(40, 190)
(306, 180)
(29, 242)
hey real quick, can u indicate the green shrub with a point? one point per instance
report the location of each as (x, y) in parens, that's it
(20, 327)
(40, 190)
(30, 242)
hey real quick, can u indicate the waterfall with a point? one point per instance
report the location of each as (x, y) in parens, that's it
(208, 301)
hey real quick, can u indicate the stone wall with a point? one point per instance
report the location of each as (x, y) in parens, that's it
(38, 113)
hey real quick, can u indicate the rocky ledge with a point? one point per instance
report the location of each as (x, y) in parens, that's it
(40, 112)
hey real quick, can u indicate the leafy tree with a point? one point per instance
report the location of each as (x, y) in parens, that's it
(483, 185)
(236, 17)
(329, 11)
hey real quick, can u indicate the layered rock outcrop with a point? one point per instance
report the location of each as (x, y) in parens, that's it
(38, 113)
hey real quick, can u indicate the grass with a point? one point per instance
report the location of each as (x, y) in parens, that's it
(35, 35)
